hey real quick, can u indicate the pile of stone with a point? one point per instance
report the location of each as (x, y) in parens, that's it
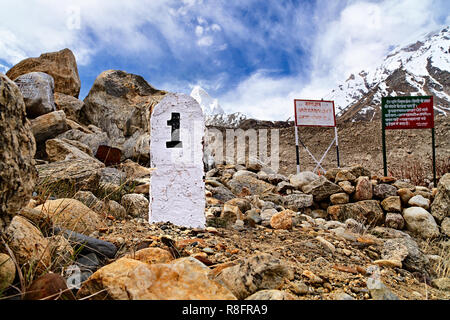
(239, 196)
(75, 138)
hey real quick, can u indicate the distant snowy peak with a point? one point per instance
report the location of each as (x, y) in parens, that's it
(209, 105)
(420, 68)
(214, 114)
(232, 120)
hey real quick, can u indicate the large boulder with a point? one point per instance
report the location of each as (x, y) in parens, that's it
(120, 104)
(7, 271)
(321, 188)
(72, 214)
(72, 170)
(136, 205)
(297, 201)
(393, 248)
(59, 150)
(421, 222)
(49, 125)
(259, 272)
(92, 136)
(17, 172)
(363, 189)
(383, 190)
(367, 211)
(129, 279)
(70, 105)
(37, 90)
(28, 244)
(61, 65)
(441, 204)
(302, 179)
(445, 226)
(254, 185)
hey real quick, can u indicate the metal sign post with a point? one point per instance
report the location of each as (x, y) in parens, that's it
(315, 113)
(297, 151)
(407, 113)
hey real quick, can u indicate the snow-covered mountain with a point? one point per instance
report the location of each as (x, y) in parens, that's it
(214, 114)
(421, 68)
(209, 105)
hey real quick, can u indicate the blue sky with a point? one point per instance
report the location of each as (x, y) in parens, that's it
(254, 56)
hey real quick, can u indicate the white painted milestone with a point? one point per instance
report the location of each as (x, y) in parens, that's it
(177, 191)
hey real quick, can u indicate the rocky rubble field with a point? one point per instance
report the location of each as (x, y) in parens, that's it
(74, 209)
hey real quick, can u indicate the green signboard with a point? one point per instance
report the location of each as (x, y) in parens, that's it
(408, 113)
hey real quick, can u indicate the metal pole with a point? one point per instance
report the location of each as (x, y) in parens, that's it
(433, 143)
(383, 129)
(337, 146)
(297, 150)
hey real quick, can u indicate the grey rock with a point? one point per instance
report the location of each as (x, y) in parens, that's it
(379, 291)
(440, 207)
(120, 103)
(302, 179)
(383, 190)
(88, 244)
(284, 186)
(342, 296)
(254, 185)
(259, 272)
(297, 201)
(445, 226)
(37, 89)
(419, 201)
(49, 125)
(394, 220)
(421, 222)
(442, 284)
(369, 212)
(241, 173)
(321, 188)
(271, 295)
(136, 205)
(92, 138)
(89, 262)
(220, 192)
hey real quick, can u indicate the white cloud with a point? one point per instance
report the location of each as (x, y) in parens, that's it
(205, 41)
(198, 31)
(38, 26)
(357, 39)
(360, 37)
(263, 97)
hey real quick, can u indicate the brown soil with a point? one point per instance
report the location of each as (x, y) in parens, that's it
(299, 248)
(361, 143)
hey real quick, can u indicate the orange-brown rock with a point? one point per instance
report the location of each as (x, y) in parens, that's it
(61, 65)
(282, 220)
(151, 255)
(128, 279)
(28, 244)
(17, 174)
(72, 214)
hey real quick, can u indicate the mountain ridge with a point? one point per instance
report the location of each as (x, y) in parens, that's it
(420, 68)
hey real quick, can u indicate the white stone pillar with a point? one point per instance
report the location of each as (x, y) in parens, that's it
(177, 190)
